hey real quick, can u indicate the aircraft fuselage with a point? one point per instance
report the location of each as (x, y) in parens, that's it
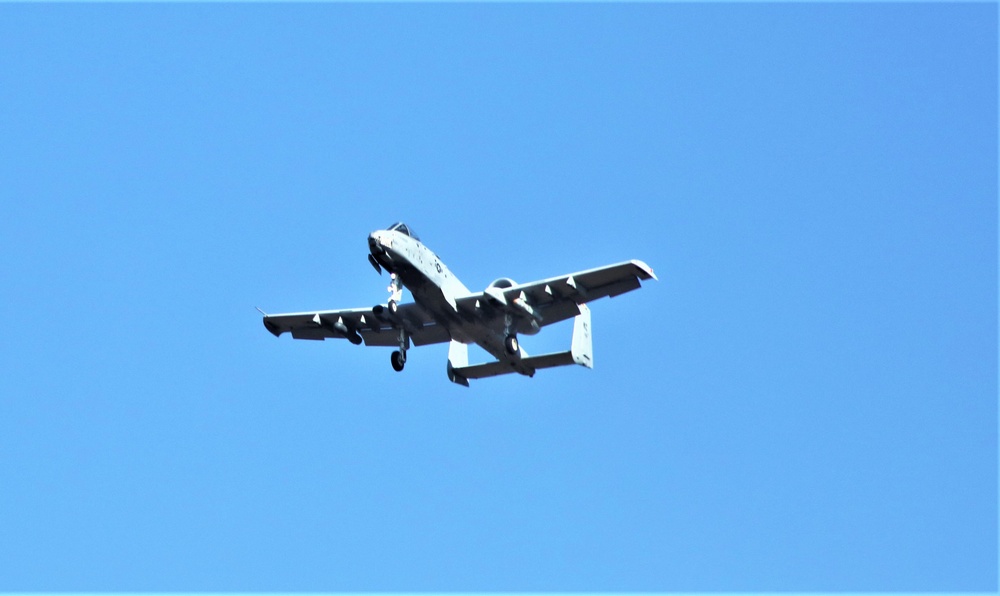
(437, 289)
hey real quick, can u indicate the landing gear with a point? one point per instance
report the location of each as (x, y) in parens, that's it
(395, 290)
(509, 338)
(510, 344)
(398, 360)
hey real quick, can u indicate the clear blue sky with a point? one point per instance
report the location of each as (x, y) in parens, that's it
(806, 400)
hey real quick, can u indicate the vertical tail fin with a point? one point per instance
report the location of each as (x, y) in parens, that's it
(582, 348)
(458, 358)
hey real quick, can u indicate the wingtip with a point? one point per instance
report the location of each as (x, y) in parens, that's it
(645, 269)
(272, 328)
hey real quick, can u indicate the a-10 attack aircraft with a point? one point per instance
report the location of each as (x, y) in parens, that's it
(444, 310)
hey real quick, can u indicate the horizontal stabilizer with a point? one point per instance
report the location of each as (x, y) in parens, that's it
(581, 352)
(496, 368)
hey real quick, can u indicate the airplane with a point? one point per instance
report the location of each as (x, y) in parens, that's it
(444, 310)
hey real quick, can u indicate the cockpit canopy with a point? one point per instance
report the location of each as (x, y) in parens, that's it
(403, 229)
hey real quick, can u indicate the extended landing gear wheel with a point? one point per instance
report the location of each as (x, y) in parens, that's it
(510, 344)
(398, 360)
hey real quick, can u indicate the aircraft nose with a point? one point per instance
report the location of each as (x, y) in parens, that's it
(377, 241)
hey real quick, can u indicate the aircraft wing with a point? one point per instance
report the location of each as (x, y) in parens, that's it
(357, 324)
(558, 298)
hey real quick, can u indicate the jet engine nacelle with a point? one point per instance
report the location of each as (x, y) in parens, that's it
(503, 283)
